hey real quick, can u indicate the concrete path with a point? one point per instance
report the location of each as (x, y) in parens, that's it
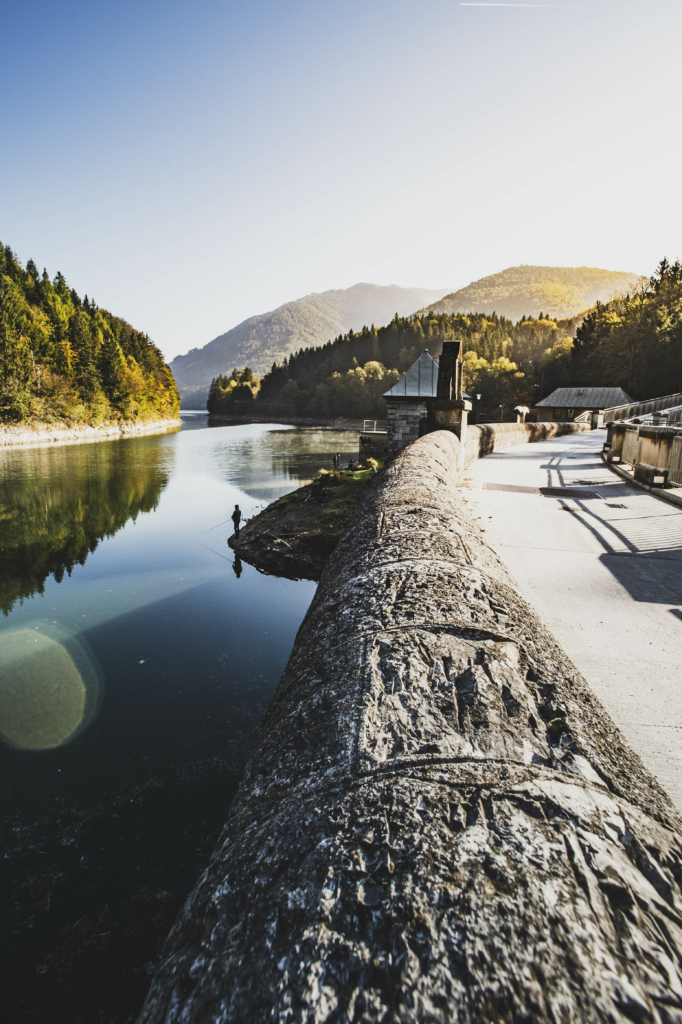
(604, 571)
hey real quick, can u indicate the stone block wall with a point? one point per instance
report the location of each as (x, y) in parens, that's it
(402, 420)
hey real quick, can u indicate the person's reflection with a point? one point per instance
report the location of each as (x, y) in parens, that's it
(237, 566)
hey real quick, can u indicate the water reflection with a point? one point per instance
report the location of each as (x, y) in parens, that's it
(56, 504)
(111, 825)
(267, 462)
(49, 689)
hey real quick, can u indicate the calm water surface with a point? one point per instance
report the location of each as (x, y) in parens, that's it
(136, 662)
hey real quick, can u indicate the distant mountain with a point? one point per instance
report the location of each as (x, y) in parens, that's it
(263, 340)
(527, 291)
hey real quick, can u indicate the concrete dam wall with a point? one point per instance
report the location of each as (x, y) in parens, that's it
(487, 438)
(440, 823)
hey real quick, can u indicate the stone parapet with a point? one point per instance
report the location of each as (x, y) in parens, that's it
(440, 823)
(484, 439)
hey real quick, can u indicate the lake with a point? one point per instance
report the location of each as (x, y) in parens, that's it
(137, 658)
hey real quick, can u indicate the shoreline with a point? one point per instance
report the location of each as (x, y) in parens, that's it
(296, 534)
(294, 421)
(54, 433)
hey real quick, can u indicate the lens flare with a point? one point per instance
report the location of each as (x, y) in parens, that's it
(49, 689)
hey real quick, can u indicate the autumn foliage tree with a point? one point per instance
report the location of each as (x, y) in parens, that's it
(62, 357)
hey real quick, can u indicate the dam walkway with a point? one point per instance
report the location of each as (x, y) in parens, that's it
(602, 565)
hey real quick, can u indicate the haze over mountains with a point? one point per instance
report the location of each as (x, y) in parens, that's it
(315, 319)
(560, 292)
(267, 338)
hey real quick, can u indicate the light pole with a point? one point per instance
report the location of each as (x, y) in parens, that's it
(478, 406)
(501, 412)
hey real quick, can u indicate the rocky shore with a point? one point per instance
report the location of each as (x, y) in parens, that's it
(65, 433)
(295, 535)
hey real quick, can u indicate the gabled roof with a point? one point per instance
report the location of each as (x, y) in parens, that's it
(420, 381)
(585, 398)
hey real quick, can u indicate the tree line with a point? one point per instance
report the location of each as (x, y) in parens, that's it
(634, 341)
(64, 358)
(348, 376)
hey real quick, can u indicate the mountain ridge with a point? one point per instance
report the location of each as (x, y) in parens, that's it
(311, 320)
(528, 290)
(314, 319)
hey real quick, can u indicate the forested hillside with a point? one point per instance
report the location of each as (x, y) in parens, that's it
(525, 291)
(304, 323)
(635, 341)
(64, 358)
(347, 376)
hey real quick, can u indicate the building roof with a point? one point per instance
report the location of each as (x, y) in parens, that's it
(585, 398)
(420, 381)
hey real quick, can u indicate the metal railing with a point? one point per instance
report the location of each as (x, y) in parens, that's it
(628, 412)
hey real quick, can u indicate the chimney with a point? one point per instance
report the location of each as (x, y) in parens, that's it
(450, 372)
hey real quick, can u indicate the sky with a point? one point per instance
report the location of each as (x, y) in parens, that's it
(190, 163)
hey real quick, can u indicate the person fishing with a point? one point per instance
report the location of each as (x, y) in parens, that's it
(236, 519)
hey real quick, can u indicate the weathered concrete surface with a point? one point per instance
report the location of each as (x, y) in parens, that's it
(440, 822)
(605, 573)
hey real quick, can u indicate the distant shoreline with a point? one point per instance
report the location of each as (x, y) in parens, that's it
(61, 433)
(295, 421)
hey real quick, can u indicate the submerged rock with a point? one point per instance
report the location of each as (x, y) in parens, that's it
(440, 822)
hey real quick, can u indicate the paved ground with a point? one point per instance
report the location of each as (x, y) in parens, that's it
(604, 571)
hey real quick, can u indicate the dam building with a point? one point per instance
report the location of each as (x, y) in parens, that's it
(427, 397)
(564, 404)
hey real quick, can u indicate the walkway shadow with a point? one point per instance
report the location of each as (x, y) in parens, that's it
(644, 553)
(651, 578)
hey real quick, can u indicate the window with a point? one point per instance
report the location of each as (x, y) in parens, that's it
(564, 414)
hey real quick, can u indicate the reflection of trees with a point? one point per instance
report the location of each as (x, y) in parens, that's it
(57, 504)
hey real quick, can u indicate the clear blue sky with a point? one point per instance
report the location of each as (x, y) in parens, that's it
(189, 164)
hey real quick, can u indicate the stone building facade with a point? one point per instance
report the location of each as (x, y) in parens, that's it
(406, 418)
(428, 397)
(406, 421)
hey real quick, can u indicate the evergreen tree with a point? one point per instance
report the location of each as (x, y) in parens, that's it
(61, 356)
